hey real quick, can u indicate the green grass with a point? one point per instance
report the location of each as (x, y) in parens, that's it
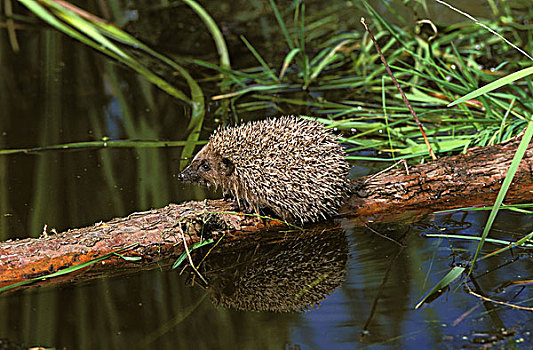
(73, 268)
(346, 74)
(444, 283)
(102, 37)
(337, 76)
(97, 145)
(468, 86)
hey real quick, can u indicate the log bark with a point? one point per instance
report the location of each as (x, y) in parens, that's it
(159, 235)
(465, 180)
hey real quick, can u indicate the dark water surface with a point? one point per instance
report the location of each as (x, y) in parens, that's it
(56, 91)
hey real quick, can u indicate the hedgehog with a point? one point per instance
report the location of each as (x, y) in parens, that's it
(290, 166)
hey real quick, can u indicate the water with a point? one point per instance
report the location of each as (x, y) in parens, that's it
(57, 91)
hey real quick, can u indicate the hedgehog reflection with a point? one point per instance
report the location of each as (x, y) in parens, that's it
(294, 272)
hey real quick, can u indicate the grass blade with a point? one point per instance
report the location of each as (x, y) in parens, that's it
(96, 145)
(86, 32)
(282, 24)
(326, 60)
(211, 25)
(522, 147)
(260, 59)
(451, 276)
(522, 242)
(508, 79)
(70, 269)
(194, 246)
(287, 62)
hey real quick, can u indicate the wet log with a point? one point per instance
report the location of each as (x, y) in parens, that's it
(465, 180)
(159, 236)
(143, 240)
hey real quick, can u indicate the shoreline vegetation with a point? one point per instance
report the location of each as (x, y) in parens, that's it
(435, 65)
(337, 77)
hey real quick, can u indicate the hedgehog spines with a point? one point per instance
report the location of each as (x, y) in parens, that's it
(290, 165)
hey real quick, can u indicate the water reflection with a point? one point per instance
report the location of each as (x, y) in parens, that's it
(366, 279)
(292, 271)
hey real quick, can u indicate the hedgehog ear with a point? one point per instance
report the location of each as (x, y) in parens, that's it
(227, 166)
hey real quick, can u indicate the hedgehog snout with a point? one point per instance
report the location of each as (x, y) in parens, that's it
(189, 175)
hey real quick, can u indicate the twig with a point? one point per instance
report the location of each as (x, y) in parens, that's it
(402, 161)
(383, 235)
(465, 315)
(189, 256)
(486, 27)
(10, 25)
(210, 250)
(497, 301)
(379, 293)
(405, 100)
(80, 12)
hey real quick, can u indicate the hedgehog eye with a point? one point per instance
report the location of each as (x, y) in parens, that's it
(204, 166)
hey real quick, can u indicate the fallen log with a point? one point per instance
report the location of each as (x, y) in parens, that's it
(160, 235)
(465, 180)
